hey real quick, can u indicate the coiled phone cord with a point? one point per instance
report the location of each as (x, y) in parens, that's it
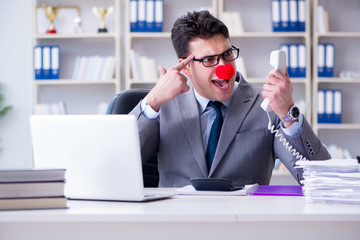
(283, 140)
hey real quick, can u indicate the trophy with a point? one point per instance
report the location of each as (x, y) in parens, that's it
(102, 13)
(51, 13)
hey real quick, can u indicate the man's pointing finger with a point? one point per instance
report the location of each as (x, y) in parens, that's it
(183, 63)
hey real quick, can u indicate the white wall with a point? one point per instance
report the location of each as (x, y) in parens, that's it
(14, 75)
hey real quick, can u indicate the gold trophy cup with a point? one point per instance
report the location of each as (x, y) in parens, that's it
(51, 13)
(102, 13)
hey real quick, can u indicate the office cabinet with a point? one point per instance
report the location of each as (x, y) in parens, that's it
(258, 39)
(77, 37)
(344, 33)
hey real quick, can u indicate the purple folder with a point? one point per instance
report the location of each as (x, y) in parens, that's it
(278, 190)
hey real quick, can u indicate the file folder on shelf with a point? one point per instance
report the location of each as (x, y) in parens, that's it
(301, 61)
(275, 15)
(46, 59)
(159, 15)
(337, 113)
(321, 60)
(285, 48)
(37, 62)
(293, 15)
(293, 56)
(321, 106)
(284, 15)
(133, 15)
(301, 15)
(329, 105)
(150, 15)
(55, 62)
(329, 60)
(141, 16)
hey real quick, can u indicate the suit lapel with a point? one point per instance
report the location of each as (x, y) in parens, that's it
(241, 104)
(187, 107)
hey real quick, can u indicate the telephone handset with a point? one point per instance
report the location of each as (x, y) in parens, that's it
(278, 61)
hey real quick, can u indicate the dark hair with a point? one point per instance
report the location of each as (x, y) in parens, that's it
(195, 25)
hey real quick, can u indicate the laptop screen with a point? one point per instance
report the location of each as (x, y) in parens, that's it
(100, 152)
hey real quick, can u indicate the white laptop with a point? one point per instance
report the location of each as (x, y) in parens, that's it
(101, 154)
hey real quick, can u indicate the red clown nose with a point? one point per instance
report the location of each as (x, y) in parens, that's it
(225, 71)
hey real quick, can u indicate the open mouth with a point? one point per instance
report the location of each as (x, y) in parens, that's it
(221, 83)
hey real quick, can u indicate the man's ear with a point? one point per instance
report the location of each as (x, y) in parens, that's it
(186, 69)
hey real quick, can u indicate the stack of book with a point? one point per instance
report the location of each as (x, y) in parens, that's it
(234, 22)
(323, 20)
(94, 68)
(338, 151)
(32, 189)
(56, 108)
(331, 181)
(142, 68)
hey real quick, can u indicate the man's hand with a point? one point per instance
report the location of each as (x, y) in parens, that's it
(171, 83)
(278, 89)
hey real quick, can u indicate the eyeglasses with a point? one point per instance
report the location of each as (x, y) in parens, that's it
(213, 60)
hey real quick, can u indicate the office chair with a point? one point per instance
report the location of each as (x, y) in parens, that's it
(123, 103)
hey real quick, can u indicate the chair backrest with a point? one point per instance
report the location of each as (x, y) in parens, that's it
(123, 103)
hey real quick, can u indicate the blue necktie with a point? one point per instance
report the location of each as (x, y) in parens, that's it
(214, 133)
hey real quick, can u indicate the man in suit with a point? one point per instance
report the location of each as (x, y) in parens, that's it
(176, 121)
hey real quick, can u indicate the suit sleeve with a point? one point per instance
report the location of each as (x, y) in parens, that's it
(306, 143)
(148, 133)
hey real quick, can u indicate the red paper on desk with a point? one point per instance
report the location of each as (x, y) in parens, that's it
(279, 190)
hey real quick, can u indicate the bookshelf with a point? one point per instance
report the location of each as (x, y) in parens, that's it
(256, 43)
(87, 42)
(161, 49)
(344, 33)
(258, 40)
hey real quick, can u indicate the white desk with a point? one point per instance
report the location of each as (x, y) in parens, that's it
(187, 217)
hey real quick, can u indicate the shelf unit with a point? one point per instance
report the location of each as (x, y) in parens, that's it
(256, 58)
(344, 32)
(256, 43)
(161, 47)
(80, 96)
(258, 40)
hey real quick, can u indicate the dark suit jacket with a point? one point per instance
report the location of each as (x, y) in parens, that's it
(246, 150)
